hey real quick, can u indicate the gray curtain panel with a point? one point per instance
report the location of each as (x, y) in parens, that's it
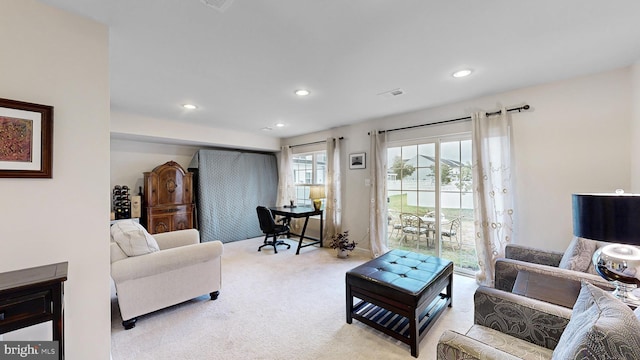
(229, 186)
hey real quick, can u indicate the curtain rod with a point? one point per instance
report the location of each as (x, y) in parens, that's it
(313, 143)
(518, 109)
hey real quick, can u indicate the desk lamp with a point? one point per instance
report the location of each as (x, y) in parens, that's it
(612, 218)
(316, 193)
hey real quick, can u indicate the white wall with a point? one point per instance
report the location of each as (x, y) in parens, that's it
(576, 138)
(129, 159)
(55, 58)
(165, 130)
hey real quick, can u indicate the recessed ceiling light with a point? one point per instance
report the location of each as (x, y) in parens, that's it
(189, 106)
(279, 125)
(266, 128)
(302, 92)
(462, 73)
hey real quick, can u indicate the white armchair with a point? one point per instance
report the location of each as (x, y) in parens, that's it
(182, 269)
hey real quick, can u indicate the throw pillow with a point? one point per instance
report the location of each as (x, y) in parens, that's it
(133, 238)
(578, 255)
(592, 269)
(601, 327)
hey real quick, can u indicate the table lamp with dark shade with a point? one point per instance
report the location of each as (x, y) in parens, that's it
(612, 218)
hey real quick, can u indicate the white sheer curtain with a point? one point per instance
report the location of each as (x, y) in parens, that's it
(378, 206)
(493, 190)
(333, 203)
(286, 189)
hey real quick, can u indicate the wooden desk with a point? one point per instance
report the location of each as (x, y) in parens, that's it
(301, 212)
(551, 289)
(32, 296)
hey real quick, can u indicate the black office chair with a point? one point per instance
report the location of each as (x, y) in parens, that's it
(270, 228)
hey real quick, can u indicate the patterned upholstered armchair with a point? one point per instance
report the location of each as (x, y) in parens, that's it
(509, 326)
(574, 264)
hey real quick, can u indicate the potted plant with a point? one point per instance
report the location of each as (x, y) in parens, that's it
(340, 241)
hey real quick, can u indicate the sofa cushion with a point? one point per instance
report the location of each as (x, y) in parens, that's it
(601, 327)
(133, 238)
(511, 345)
(578, 255)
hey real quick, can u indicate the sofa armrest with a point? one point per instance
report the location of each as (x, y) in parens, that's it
(533, 255)
(506, 272)
(116, 252)
(534, 321)
(136, 267)
(177, 238)
(454, 346)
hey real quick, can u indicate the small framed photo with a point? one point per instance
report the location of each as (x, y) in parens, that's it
(357, 161)
(26, 139)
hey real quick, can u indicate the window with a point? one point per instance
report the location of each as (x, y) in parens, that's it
(308, 169)
(426, 178)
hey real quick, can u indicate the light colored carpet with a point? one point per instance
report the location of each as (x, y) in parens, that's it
(276, 306)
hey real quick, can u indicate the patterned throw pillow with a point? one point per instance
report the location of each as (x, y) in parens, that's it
(578, 255)
(592, 269)
(133, 238)
(601, 327)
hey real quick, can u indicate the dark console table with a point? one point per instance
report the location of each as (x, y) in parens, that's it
(32, 296)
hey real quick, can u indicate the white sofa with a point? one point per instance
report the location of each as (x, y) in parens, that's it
(182, 269)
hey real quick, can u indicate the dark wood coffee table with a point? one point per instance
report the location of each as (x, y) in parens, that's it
(551, 289)
(401, 293)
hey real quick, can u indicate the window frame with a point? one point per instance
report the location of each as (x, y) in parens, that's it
(304, 187)
(438, 141)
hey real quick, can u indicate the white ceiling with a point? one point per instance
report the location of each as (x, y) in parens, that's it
(242, 65)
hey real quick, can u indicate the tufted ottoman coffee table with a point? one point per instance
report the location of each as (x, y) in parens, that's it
(401, 294)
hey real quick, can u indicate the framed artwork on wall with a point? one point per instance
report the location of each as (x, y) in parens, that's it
(357, 161)
(26, 140)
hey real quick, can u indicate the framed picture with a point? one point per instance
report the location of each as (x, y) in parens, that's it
(357, 161)
(26, 139)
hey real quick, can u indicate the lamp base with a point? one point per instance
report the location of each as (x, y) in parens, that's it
(617, 264)
(624, 292)
(317, 204)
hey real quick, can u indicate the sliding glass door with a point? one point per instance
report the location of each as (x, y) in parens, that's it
(430, 200)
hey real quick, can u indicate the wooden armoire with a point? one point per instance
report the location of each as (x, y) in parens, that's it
(168, 200)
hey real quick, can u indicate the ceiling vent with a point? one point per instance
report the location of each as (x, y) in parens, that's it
(220, 5)
(392, 93)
